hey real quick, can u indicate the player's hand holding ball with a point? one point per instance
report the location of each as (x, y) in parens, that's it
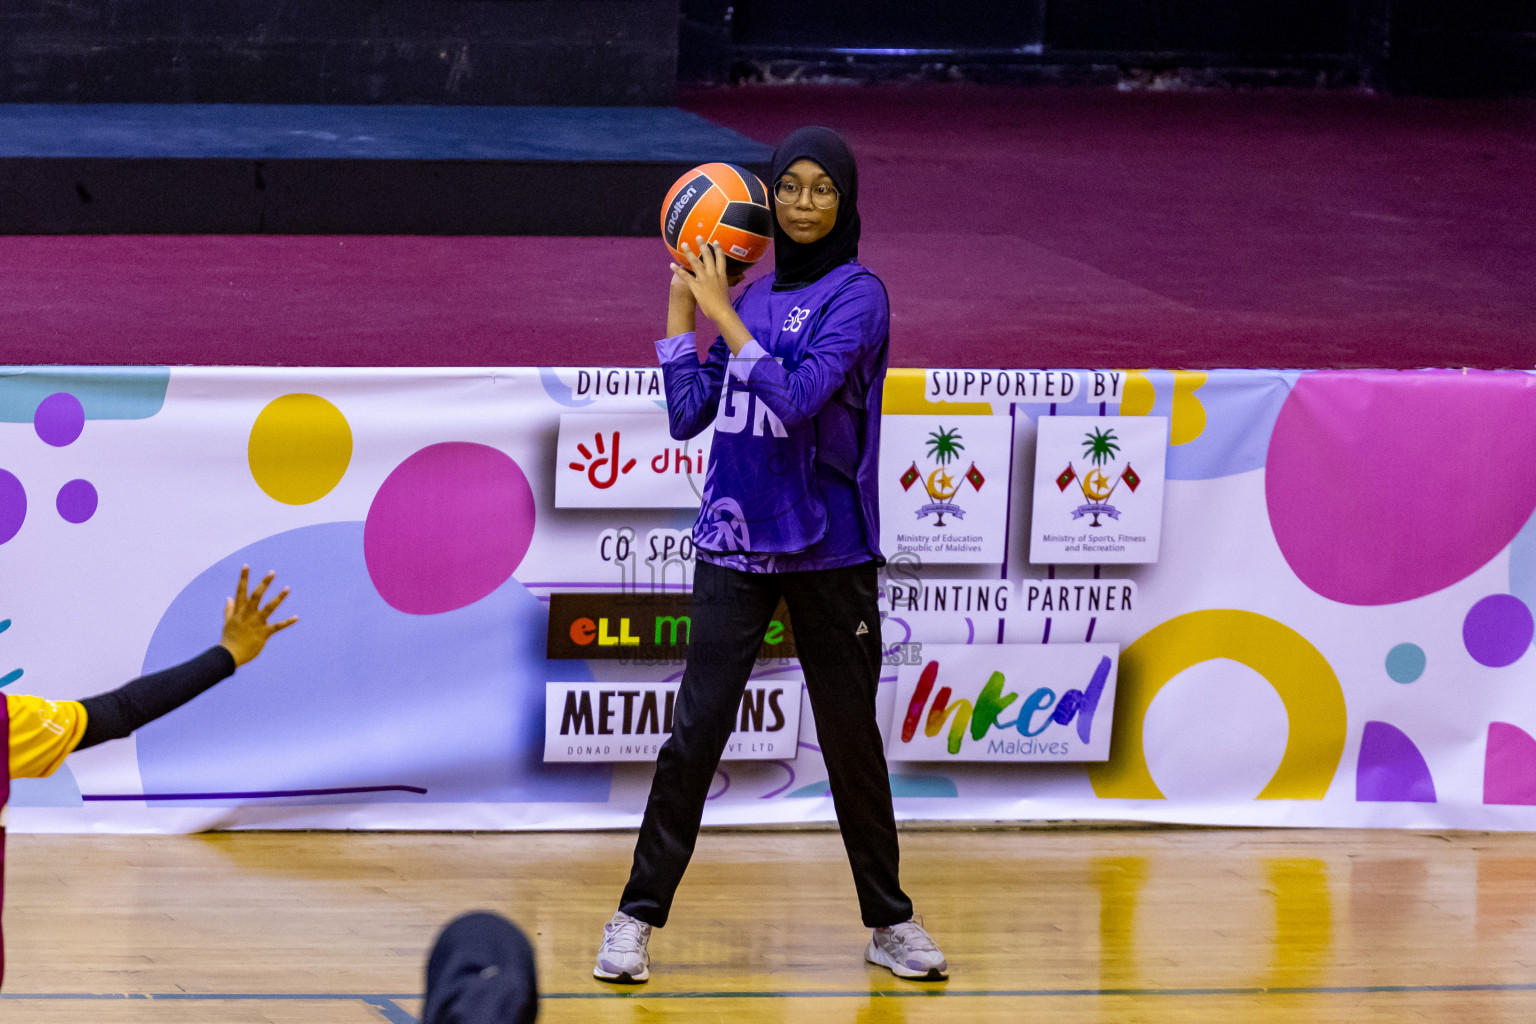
(707, 277)
(716, 222)
(680, 301)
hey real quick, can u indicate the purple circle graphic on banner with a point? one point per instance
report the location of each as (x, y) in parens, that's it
(1498, 630)
(59, 419)
(447, 527)
(13, 505)
(77, 501)
(1387, 486)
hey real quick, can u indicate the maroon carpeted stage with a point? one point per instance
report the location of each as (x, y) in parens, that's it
(1013, 228)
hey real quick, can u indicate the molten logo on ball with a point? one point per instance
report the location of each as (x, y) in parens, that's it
(678, 207)
(724, 204)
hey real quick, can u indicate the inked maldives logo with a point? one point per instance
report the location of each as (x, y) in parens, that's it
(944, 447)
(1099, 447)
(974, 720)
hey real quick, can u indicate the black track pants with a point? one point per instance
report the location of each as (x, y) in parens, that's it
(731, 612)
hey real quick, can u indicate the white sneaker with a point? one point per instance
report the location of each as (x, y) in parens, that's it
(624, 957)
(908, 952)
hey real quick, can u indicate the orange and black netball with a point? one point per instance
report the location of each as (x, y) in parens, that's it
(724, 203)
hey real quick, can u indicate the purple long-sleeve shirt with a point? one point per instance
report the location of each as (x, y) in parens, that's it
(792, 483)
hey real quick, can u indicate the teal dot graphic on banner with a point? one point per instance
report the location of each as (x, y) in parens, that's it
(13, 505)
(59, 419)
(77, 501)
(1498, 630)
(1405, 663)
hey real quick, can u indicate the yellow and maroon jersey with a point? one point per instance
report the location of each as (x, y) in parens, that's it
(43, 734)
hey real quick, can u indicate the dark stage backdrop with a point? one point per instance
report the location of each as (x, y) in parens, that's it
(1428, 46)
(490, 52)
(632, 52)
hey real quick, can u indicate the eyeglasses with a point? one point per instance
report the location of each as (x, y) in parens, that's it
(823, 196)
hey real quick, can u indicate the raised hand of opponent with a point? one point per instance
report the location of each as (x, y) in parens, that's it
(246, 628)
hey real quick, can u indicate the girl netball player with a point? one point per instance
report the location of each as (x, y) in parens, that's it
(41, 733)
(790, 508)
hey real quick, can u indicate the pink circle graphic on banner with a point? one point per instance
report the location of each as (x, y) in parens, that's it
(447, 527)
(1387, 486)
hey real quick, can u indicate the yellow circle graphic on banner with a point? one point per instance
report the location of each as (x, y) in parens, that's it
(300, 448)
(1306, 683)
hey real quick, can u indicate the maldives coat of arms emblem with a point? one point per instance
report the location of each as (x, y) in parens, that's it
(944, 484)
(1099, 447)
(944, 448)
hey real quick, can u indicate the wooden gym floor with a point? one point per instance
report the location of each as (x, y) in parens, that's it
(1064, 925)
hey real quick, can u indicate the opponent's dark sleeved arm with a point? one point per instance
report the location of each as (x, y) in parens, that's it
(113, 715)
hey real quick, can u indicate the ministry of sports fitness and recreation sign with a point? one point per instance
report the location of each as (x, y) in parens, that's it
(1098, 492)
(641, 628)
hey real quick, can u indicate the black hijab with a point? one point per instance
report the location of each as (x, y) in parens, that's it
(797, 264)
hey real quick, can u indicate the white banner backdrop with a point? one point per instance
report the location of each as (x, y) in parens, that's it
(1337, 630)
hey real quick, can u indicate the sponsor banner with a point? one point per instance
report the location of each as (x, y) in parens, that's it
(1076, 597)
(1098, 489)
(600, 722)
(924, 611)
(627, 460)
(1274, 675)
(1005, 702)
(589, 385)
(661, 558)
(1068, 610)
(944, 488)
(641, 628)
(1053, 387)
(954, 597)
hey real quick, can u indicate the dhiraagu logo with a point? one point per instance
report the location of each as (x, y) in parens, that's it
(1005, 702)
